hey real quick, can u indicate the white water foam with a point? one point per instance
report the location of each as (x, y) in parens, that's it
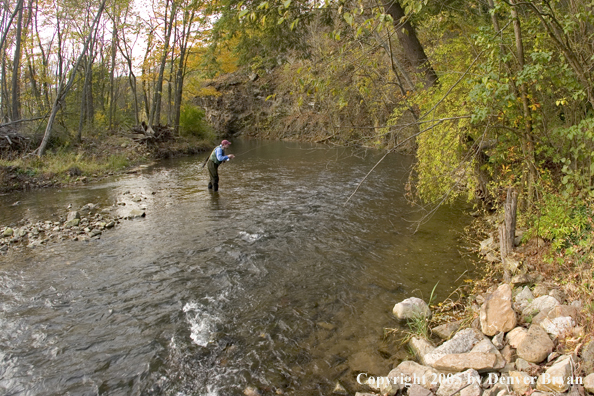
(250, 238)
(202, 323)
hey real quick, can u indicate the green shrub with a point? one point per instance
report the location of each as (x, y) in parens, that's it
(191, 122)
(561, 221)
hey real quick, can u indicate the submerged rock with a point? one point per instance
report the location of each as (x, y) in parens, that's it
(136, 213)
(420, 348)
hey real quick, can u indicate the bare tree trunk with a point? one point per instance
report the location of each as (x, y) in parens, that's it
(132, 82)
(413, 49)
(64, 88)
(143, 73)
(507, 230)
(155, 116)
(83, 107)
(34, 84)
(527, 143)
(5, 108)
(181, 70)
(170, 91)
(45, 104)
(16, 67)
(114, 44)
(87, 112)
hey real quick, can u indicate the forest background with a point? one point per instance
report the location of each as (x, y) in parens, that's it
(487, 94)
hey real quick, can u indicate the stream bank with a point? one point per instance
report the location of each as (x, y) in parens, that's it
(531, 335)
(94, 159)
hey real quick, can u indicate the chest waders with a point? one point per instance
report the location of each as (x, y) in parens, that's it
(213, 170)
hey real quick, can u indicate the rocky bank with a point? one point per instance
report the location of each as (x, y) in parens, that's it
(76, 224)
(516, 345)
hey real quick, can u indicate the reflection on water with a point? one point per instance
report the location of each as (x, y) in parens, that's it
(273, 282)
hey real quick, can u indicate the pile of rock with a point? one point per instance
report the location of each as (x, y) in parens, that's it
(509, 349)
(89, 222)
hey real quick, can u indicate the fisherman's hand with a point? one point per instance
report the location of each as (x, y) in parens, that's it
(231, 156)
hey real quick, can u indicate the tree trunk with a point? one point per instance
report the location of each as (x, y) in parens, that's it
(131, 81)
(527, 143)
(45, 104)
(112, 105)
(4, 110)
(83, 107)
(170, 91)
(507, 230)
(155, 116)
(16, 67)
(413, 50)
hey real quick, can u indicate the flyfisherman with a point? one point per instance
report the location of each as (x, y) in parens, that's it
(217, 157)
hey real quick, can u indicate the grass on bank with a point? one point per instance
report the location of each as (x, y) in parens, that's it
(68, 164)
(98, 156)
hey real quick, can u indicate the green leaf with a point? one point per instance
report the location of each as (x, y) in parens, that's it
(348, 18)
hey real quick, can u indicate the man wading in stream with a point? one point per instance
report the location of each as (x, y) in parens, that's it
(217, 157)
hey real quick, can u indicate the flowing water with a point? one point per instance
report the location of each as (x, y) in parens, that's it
(272, 283)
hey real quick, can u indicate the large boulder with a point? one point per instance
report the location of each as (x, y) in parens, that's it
(462, 342)
(536, 345)
(411, 308)
(497, 314)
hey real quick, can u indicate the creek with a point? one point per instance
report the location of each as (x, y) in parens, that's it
(272, 283)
